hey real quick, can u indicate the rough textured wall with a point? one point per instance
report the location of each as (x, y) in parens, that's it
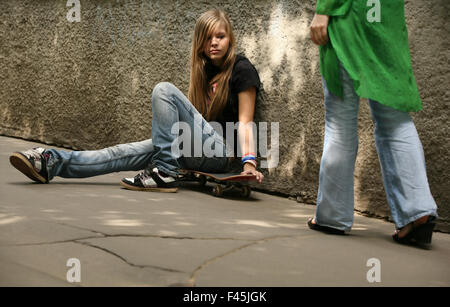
(88, 84)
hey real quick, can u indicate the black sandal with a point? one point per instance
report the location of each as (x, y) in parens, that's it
(419, 235)
(325, 229)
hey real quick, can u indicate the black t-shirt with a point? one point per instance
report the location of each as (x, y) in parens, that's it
(243, 76)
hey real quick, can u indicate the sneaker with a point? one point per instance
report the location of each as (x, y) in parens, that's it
(32, 163)
(151, 180)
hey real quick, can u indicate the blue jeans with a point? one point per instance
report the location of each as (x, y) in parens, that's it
(169, 106)
(400, 154)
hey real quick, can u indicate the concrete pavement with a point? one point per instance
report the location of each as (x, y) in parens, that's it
(125, 238)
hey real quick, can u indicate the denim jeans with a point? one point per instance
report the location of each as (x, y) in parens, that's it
(400, 155)
(169, 106)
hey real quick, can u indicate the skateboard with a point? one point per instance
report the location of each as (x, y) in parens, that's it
(223, 182)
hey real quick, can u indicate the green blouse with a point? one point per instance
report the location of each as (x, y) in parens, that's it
(370, 39)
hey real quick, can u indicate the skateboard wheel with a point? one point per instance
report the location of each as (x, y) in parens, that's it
(246, 191)
(202, 180)
(218, 191)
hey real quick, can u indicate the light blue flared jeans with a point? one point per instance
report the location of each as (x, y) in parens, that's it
(400, 155)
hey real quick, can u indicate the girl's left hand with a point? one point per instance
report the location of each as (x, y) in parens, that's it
(253, 171)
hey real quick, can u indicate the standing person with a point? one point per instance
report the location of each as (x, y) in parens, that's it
(223, 88)
(364, 52)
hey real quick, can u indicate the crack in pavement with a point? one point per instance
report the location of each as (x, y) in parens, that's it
(50, 243)
(81, 228)
(194, 275)
(101, 235)
(174, 237)
(106, 235)
(126, 261)
(79, 241)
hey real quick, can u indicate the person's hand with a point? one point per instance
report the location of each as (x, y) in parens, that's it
(319, 29)
(251, 170)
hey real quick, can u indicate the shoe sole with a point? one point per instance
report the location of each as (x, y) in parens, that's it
(420, 237)
(424, 234)
(325, 229)
(133, 188)
(22, 164)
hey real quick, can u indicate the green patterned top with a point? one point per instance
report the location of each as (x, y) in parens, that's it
(370, 39)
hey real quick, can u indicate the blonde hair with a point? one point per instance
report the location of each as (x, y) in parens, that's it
(199, 93)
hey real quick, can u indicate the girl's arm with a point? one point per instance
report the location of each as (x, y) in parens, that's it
(319, 29)
(247, 101)
(325, 9)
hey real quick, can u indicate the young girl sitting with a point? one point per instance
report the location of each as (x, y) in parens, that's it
(223, 88)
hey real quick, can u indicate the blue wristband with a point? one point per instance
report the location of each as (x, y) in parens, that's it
(248, 158)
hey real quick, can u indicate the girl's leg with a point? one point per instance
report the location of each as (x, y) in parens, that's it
(170, 107)
(207, 165)
(172, 111)
(335, 200)
(403, 165)
(82, 164)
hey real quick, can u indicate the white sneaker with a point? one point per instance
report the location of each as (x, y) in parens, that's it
(151, 181)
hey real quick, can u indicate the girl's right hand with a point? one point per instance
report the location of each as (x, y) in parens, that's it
(251, 170)
(319, 29)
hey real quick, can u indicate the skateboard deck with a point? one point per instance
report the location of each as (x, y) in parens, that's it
(223, 181)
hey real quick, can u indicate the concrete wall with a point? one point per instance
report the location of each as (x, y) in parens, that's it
(88, 84)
